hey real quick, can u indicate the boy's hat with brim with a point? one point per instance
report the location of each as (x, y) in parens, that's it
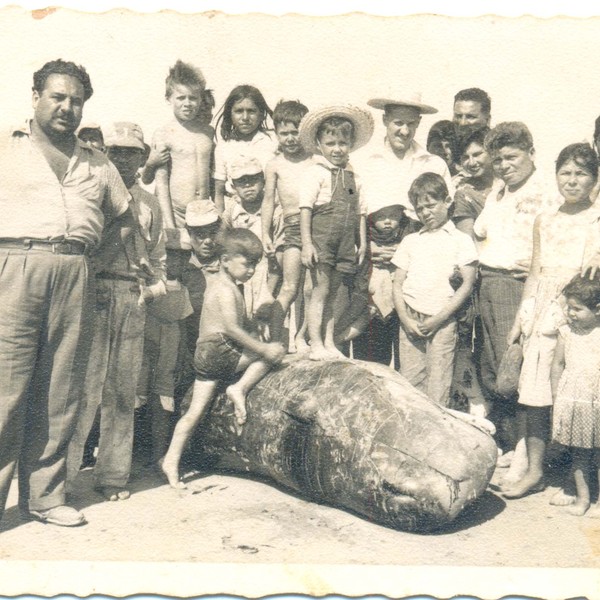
(412, 99)
(200, 213)
(126, 135)
(393, 210)
(177, 239)
(361, 119)
(244, 166)
(89, 126)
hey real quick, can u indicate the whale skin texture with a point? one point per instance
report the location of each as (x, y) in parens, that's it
(357, 436)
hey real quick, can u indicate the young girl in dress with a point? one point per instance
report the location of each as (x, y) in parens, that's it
(244, 133)
(575, 379)
(563, 242)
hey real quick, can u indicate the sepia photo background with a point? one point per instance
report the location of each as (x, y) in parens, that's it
(543, 72)
(539, 71)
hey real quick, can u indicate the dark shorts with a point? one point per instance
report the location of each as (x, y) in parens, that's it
(216, 357)
(335, 247)
(291, 232)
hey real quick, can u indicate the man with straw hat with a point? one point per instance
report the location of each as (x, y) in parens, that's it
(389, 168)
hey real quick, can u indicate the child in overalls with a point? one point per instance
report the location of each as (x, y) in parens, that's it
(332, 215)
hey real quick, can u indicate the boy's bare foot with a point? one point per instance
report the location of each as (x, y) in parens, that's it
(529, 484)
(562, 498)
(594, 511)
(171, 472)
(578, 509)
(301, 346)
(237, 397)
(319, 353)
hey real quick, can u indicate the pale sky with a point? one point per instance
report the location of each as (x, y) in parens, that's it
(539, 71)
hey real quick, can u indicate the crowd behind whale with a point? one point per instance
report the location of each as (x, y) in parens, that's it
(139, 279)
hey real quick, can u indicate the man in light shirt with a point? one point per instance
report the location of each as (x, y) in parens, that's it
(56, 195)
(389, 166)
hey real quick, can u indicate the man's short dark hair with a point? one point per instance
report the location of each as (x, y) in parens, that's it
(509, 133)
(475, 95)
(63, 67)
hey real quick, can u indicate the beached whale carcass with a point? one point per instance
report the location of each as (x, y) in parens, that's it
(355, 435)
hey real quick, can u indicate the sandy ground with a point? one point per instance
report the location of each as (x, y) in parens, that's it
(223, 518)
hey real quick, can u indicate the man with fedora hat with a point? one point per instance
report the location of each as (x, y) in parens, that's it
(389, 168)
(117, 335)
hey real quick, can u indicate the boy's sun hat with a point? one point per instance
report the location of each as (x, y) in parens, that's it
(89, 126)
(412, 99)
(200, 213)
(394, 211)
(244, 166)
(360, 118)
(125, 134)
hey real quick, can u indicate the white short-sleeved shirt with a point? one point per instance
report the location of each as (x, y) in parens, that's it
(262, 147)
(505, 225)
(315, 187)
(35, 204)
(386, 179)
(429, 259)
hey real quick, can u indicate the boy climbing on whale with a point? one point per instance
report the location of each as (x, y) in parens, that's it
(225, 346)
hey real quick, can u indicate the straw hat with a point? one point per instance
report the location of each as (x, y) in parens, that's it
(409, 99)
(361, 119)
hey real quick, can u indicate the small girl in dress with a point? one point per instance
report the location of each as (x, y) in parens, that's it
(243, 133)
(575, 378)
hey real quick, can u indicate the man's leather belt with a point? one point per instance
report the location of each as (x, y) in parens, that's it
(56, 247)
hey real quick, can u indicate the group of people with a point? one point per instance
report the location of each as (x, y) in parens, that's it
(260, 240)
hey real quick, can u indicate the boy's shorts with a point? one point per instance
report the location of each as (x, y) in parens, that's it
(334, 247)
(291, 232)
(216, 357)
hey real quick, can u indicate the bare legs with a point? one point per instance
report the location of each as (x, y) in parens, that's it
(319, 313)
(254, 371)
(201, 398)
(582, 459)
(538, 429)
(293, 278)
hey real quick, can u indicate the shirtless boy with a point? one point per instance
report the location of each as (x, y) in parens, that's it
(187, 141)
(225, 346)
(283, 174)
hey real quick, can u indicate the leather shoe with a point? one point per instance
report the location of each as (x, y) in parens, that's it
(64, 516)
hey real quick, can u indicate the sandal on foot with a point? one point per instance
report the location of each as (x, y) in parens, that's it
(113, 493)
(64, 516)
